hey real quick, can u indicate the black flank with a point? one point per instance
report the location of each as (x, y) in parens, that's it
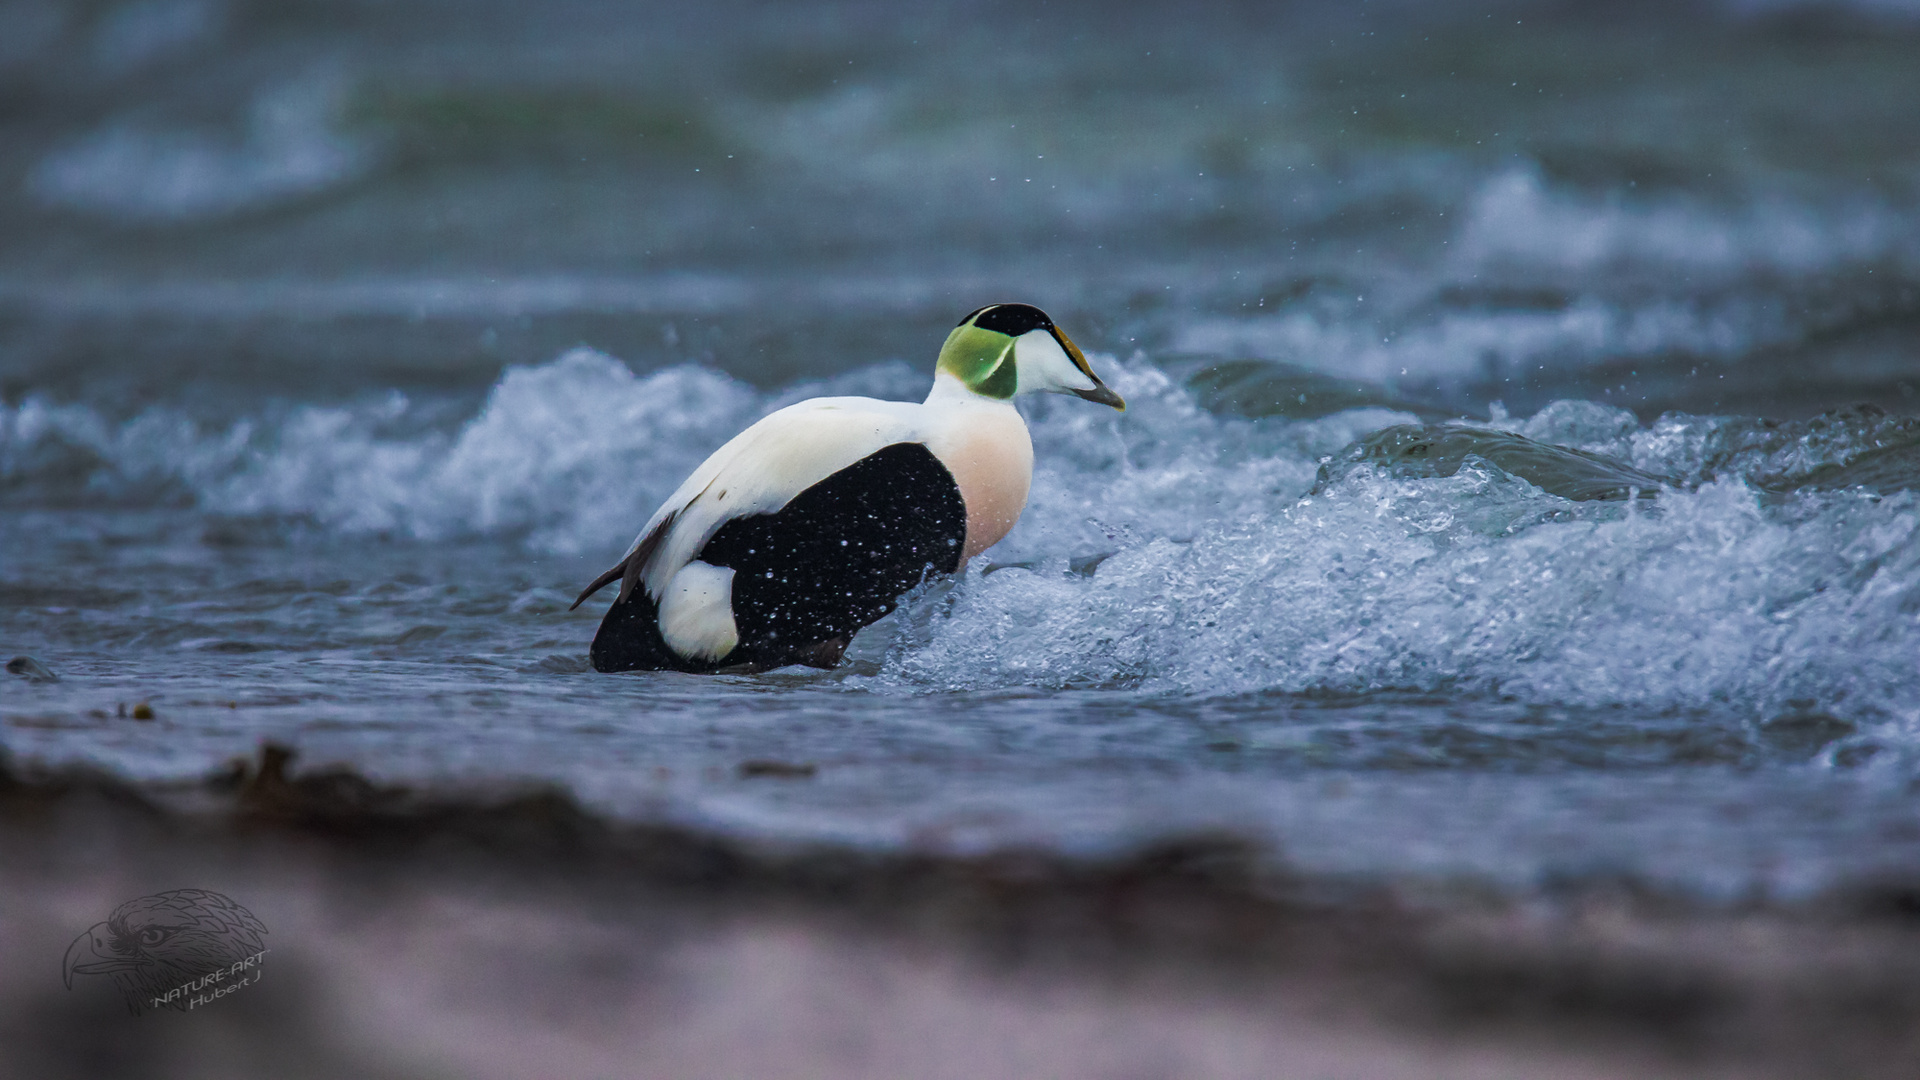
(834, 559)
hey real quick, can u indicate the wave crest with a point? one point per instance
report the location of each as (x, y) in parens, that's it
(1175, 548)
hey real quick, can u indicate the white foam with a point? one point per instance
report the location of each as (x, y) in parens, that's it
(1477, 582)
(1224, 580)
(1517, 231)
(1223, 577)
(1469, 342)
(136, 172)
(1516, 219)
(572, 455)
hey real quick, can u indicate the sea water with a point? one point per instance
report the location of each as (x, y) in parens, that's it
(317, 412)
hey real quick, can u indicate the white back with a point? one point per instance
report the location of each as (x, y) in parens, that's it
(761, 469)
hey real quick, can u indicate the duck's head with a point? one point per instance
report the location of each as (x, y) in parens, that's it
(1007, 349)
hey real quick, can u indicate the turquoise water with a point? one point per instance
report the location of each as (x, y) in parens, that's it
(341, 355)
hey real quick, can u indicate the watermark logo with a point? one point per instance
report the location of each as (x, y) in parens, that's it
(173, 950)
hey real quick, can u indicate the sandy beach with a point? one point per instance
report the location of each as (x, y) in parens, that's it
(423, 935)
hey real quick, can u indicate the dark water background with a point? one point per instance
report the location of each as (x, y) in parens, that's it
(340, 344)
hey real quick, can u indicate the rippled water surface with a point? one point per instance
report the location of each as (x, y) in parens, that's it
(1519, 482)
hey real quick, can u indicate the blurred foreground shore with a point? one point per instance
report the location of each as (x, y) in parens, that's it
(508, 933)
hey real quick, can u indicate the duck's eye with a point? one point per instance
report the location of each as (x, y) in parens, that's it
(154, 935)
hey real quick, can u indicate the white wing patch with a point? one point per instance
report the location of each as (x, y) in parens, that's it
(696, 614)
(760, 470)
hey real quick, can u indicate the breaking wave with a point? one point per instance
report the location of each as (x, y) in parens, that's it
(1179, 549)
(1541, 277)
(568, 455)
(138, 173)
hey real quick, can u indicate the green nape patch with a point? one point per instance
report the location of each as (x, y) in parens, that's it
(527, 122)
(982, 359)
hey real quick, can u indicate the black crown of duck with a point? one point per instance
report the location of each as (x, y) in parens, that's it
(811, 523)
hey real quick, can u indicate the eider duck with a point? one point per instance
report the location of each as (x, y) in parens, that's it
(811, 523)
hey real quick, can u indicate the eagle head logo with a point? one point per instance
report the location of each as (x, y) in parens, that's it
(156, 945)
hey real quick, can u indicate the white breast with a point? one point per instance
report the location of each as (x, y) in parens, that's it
(987, 449)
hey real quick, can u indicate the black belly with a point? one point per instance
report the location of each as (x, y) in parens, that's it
(835, 558)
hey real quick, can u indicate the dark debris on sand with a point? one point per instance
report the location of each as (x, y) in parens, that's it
(362, 881)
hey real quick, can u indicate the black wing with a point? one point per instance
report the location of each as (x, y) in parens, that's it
(835, 558)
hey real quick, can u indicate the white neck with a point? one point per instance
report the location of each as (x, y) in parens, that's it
(984, 443)
(949, 391)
